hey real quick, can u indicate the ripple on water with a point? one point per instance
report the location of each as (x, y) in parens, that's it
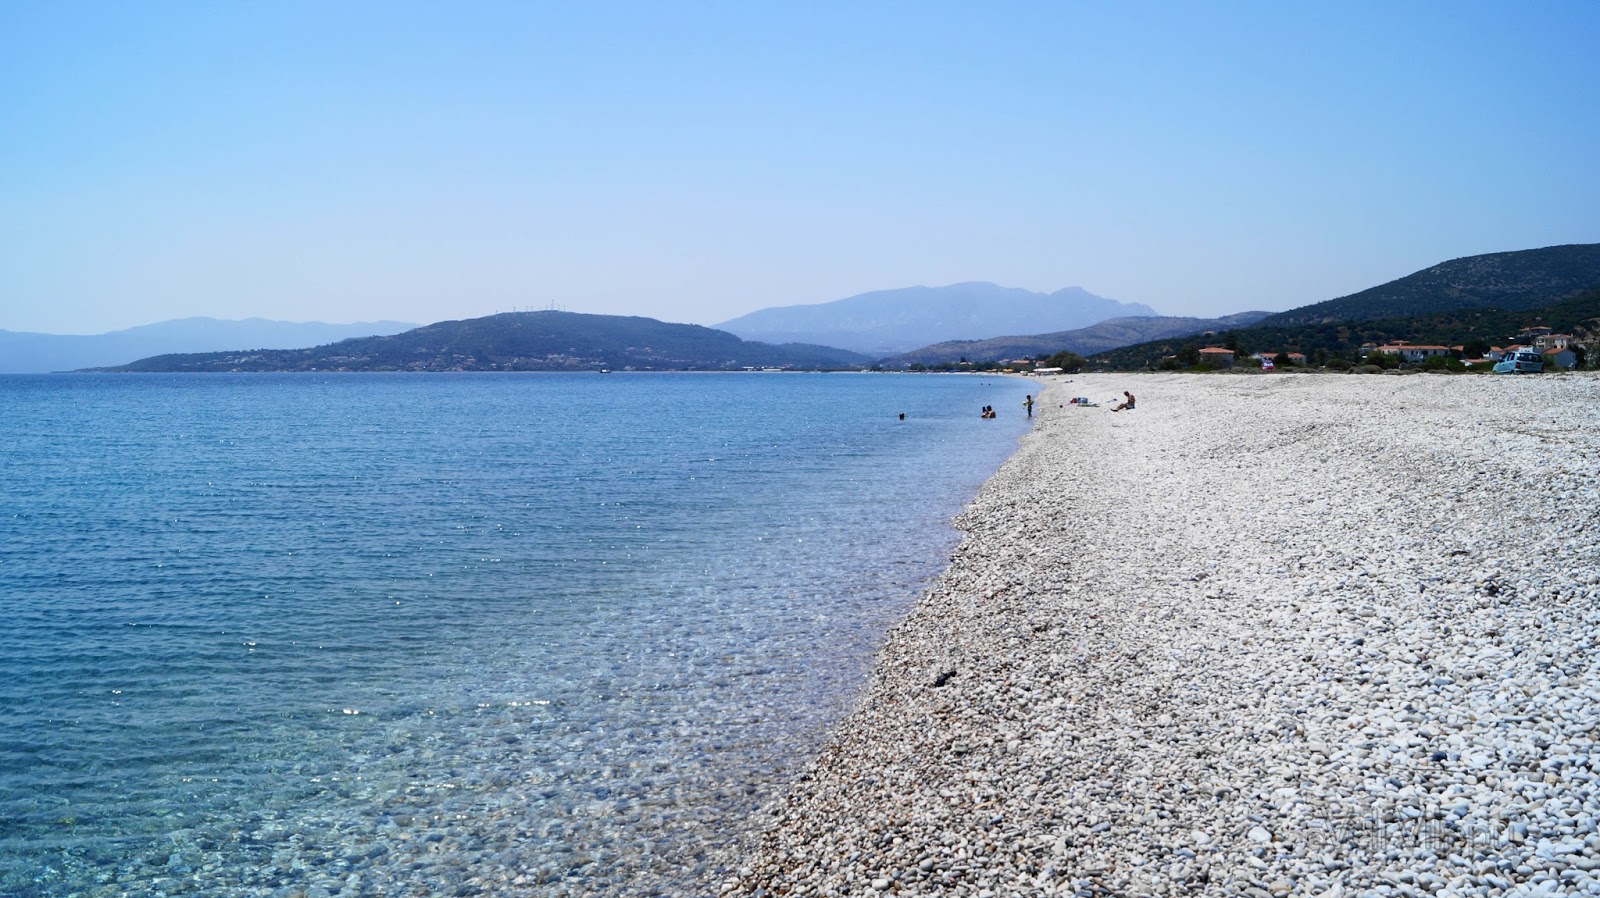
(538, 635)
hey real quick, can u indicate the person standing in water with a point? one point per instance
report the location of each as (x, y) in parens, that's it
(1027, 403)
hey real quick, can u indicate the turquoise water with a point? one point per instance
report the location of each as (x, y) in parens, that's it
(446, 634)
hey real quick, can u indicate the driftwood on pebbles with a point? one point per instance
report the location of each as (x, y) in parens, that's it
(1271, 635)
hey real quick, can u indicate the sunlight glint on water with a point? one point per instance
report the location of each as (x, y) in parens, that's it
(416, 635)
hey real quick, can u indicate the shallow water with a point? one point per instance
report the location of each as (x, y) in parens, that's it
(445, 634)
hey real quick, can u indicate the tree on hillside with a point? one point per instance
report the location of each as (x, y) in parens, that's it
(1070, 362)
(1384, 360)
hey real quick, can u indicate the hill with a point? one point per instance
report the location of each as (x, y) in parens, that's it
(522, 341)
(1578, 314)
(1524, 279)
(29, 353)
(1083, 341)
(886, 322)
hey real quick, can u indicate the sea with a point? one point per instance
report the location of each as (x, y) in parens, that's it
(340, 635)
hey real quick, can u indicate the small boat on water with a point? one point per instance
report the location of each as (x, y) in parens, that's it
(1521, 361)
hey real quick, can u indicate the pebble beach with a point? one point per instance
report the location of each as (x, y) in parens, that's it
(1264, 635)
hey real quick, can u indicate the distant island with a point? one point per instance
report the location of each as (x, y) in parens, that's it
(522, 341)
(22, 352)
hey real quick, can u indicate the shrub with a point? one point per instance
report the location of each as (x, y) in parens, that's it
(1366, 369)
(1442, 363)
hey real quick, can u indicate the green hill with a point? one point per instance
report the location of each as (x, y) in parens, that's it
(1511, 281)
(522, 341)
(1578, 314)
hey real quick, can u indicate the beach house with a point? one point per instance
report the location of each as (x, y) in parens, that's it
(1563, 357)
(1413, 352)
(1216, 357)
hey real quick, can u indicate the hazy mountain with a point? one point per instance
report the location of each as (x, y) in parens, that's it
(886, 322)
(523, 341)
(1084, 341)
(27, 353)
(1524, 279)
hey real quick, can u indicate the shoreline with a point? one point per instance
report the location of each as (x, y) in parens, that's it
(1262, 636)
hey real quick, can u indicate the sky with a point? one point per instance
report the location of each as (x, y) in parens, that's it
(343, 160)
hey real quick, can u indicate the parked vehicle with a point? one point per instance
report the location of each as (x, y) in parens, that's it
(1521, 361)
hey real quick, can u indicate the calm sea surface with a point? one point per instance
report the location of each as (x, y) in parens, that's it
(383, 635)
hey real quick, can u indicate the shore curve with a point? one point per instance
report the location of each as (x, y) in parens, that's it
(1264, 635)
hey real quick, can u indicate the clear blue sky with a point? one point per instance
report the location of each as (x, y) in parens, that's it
(341, 161)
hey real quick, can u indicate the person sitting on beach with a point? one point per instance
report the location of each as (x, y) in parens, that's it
(1125, 403)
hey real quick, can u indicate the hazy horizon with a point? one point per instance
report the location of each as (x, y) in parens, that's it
(405, 161)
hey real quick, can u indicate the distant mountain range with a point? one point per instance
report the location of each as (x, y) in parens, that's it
(1083, 341)
(1484, 298)
(1479, 296)
(28, 353)
(887, 322)
(523, 341)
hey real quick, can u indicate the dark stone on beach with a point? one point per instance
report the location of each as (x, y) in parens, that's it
(944, 678)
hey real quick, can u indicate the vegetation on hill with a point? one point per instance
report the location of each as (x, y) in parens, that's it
(1473, 328)
(1510, 281)
(523, 341)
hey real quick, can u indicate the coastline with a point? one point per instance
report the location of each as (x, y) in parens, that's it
(1271, 635)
